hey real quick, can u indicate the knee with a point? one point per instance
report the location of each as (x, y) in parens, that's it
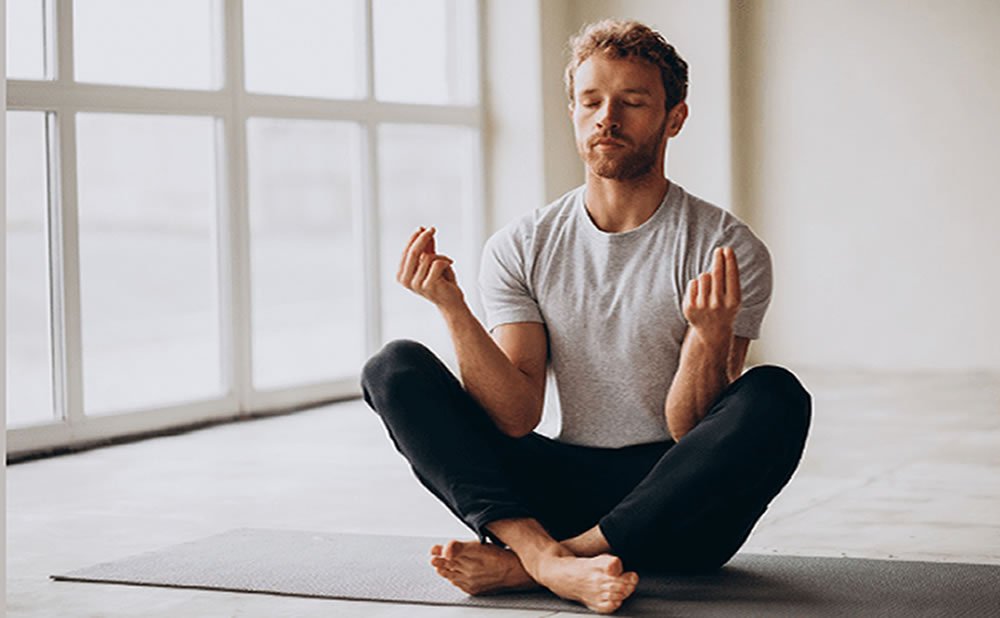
(778, 391)
(395, 365)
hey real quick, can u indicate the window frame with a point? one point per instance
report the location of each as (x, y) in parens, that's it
(61, 98)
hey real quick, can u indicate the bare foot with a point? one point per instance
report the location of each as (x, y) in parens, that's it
(478, 568)
(597, 582)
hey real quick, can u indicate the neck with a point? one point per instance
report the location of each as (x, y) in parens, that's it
(623, 205)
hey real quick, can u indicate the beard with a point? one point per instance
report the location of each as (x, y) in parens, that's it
(627, 163)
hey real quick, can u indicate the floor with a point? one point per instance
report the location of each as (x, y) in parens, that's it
(896, 467)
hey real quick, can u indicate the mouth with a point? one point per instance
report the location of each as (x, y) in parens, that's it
(607, 143)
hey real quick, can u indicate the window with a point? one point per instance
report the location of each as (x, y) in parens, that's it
(207, 201)
(308, 292)
(29, 324)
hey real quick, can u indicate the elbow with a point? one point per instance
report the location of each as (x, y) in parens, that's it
(518, 433)
(676, 433)
(520, 430)
(527, 423)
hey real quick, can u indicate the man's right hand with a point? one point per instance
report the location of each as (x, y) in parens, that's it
(427, 273)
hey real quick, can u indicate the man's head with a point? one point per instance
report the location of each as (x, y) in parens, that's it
(626, 87)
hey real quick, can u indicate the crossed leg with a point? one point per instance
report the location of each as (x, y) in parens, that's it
(459, 456)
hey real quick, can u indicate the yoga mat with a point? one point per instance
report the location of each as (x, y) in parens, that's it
(394, 568)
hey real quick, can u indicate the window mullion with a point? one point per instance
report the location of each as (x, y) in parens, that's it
(64, 41)
(64, 251)
(369, 203)
(64, 236)
(478, 229)
(235, 220)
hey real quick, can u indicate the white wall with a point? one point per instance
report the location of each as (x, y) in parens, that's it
(563, 168)
(874, 159)
(513, 105)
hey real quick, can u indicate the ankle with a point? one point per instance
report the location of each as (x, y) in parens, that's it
(589, 544)
(535, 562)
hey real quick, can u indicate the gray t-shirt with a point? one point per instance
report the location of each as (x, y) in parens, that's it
(612, 305)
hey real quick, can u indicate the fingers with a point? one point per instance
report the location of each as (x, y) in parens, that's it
(420, 242)
(718, 274)
(725, 290)
(691, 296)
(423, 267)
(733, 292)
(704, 289)
(406, 251)
(712, 299)
(438, 268)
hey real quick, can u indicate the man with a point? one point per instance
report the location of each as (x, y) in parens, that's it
(638, 300)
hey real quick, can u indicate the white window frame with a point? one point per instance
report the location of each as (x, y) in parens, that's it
(233, 106)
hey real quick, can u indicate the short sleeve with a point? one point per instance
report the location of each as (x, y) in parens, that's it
(754, 262)
(503, 283)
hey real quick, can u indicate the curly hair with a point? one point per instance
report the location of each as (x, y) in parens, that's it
(630, 39)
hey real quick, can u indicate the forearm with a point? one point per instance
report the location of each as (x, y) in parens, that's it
(702, 374)
(503, 390)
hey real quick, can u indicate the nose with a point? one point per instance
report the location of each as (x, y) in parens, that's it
(608, 119)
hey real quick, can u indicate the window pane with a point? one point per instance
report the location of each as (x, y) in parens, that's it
(304, 47)
(25, 39)
(148, 260)
(308, 301)
(425, 51)
(29, 343)
(426, 177)
(151, 43)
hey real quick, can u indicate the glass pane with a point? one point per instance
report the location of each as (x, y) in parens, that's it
(149, 280)
(308, 301)
(150, 43)
(29, 343)
(26, 39)
(304, 47)
(426, 177)
(425, 51)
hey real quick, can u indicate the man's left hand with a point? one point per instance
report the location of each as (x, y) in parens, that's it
(713, 299)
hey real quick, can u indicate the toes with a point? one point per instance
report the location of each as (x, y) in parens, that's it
(613, 566)
(632, 578)
(438, 561)
(606, 607)
(616, 588)
(450, 574)
(436, 550)
(611, 600)
(452, 549)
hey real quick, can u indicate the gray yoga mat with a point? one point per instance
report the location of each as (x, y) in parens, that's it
(392, 568)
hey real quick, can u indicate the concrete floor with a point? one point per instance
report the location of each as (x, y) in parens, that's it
(897, 467)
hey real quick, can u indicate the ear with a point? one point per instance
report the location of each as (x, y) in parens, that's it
(676, 118)
(570, 108)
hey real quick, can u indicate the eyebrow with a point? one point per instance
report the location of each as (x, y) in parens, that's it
(644, 91)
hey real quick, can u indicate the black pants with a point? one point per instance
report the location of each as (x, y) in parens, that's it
(683, 506)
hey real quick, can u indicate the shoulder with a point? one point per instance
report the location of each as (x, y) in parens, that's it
(702, 214)
(539, 223)
(714, 224)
